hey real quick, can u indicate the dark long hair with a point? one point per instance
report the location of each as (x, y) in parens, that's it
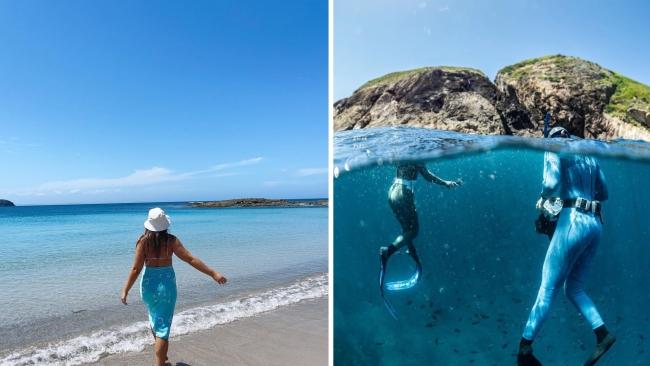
(154, 240)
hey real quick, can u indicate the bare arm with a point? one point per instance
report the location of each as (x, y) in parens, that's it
(430, 177)
(138, 263)
(184, 254)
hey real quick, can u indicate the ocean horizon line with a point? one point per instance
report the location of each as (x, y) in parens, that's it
(159, 202)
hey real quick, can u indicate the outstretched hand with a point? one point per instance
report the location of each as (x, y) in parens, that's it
(219, 278)
(453, 184)
(123, 295)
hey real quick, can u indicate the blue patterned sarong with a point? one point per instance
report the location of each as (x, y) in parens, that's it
(158, 292)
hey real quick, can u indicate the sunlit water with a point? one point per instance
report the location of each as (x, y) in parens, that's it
(480, 254)
(62, 268)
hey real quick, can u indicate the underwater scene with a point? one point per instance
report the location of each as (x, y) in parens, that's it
(480, 254)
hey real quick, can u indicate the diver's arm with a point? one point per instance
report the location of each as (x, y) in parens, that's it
(430, 177)
(601, 187)
(551, 178)
(138, 263)
(184, 254)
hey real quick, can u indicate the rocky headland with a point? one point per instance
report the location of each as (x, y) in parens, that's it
(588, 99)
(6, 203)
(258, 202)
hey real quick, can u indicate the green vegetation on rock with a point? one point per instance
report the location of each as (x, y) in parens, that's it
(518, 70)
(628, 94)
(393, 76)
(558, 66)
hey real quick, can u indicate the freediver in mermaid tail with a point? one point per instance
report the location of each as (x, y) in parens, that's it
(154, 251)
(573, 188)
(401, 200)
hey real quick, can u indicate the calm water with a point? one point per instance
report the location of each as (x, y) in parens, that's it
(480, 254)
(62, 268)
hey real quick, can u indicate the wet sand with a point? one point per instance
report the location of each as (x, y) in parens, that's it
(293, 335)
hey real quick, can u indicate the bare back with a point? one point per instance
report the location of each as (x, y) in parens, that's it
(160, 256)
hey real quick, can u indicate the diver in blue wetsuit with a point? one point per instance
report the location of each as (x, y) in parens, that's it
(401, 200)
(573, 188)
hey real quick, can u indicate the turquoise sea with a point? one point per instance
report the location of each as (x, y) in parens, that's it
(480, 254)
(62, 268)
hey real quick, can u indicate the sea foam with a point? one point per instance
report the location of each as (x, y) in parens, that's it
(134, 337)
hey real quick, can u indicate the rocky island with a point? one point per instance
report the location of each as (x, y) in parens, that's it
(259, 202)
(6, 203)
(588, 99)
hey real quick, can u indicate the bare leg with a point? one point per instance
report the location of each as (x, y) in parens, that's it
(160, 348)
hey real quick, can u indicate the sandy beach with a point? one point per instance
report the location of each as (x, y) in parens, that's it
(293, 335)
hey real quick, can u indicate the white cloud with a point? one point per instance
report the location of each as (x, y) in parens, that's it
(139, 178)
(223, 166)
(311, 171)
(443, 9)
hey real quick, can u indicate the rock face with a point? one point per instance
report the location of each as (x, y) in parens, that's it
(5, 203)
(640, 116)
(259, 202)
(581, 96)
(455, 99)
(585, 98)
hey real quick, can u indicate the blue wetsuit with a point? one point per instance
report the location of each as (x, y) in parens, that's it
(575, 240)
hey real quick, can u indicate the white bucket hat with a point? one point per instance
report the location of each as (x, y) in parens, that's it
(157, 220)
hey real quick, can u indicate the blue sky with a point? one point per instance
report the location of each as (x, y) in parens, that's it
(129, 101)
(375, 37)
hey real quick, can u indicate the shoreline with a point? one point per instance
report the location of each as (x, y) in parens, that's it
(134, 336)
(296, 334)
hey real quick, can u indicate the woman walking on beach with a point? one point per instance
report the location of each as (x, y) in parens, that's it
(154, 250)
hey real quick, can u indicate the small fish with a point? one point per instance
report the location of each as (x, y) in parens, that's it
(78, 311)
